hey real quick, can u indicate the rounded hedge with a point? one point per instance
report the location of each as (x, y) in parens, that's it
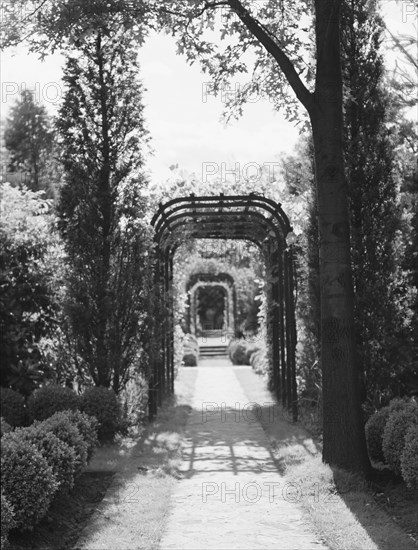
(102, 403)
(409, 458)
(59, 455)
(46, 401)
(259, 361)
(190, 342)
(12, 405)
(237, 351)
(88, 426)
(375, 427)
(4, 427)
(61, 426)
(398, 423)
(7, 519)
(190, 358)
(250, 350)
(27, 480)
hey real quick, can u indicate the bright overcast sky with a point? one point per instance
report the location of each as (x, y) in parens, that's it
(184, 124)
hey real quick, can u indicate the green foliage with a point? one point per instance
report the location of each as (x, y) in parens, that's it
(190, 358)
(101, 207)
(28, 137)
(178, 347)
(28, 250)
(259, 361)
(61, 425)
(134, 401)
(12, 405)
(88, 427)
(59, 455)
(27, 480)
(47, 400)
(375, 427)
(7, 520)
(103, 404)
(237, 351)
(394, 433)
(190, 350)
(4, 427)
(409, 458)
(381, 312)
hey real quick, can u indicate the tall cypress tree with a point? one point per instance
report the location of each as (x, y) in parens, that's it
(374, 214)
(101, 209)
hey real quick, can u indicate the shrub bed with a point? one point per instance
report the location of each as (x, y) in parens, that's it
(409, 458)
(102, 403)
(397, 425)
(259, 361)
(190, 350)
(12, 407)
(38, 460)
(7, 519)
(46, 401)
(61, 426)
(59, 455)
(27, 480)
(237, 352)
(375, 426)
(88, 426)
(4, 427)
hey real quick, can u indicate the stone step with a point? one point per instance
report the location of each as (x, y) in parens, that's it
(211, 351)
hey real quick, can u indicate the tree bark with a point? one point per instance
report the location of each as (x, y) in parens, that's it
(344, 439)
(343, 430)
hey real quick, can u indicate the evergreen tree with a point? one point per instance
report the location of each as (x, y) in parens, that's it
(374, 210)
(101, 207)
(29, 139)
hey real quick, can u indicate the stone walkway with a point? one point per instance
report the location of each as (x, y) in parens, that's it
(232, 496)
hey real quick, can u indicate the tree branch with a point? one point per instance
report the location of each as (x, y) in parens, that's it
(287, 67)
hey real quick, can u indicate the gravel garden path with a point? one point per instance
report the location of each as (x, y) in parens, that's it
(232, 495)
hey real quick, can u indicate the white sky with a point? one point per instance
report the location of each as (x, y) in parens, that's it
(185, 129)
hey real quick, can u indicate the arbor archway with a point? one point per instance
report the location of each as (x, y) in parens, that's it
(243, 217)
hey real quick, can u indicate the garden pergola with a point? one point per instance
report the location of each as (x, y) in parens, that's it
(243, 217)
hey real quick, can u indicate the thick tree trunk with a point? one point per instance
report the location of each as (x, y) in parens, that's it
(344, 439)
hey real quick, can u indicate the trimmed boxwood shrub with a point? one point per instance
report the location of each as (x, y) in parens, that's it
(59, 455)
(27, 480)
(46, 401)
(7, 519)
(259, 361)
(12, 405)
(190, 350)
(398, 423)
(88, 426)
(409, 458)
(4, 427)
(190, 358)
(60, 425)
(102, 403)
(190, 341)
(237, 351)
(375, 427)
(250, 350)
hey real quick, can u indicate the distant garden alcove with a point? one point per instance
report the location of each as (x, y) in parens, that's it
(242, 217)
(211, 304)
